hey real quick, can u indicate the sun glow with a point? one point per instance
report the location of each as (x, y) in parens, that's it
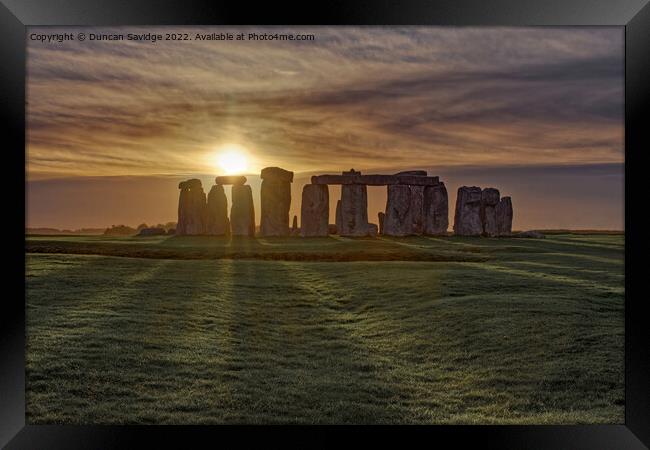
(231, 159)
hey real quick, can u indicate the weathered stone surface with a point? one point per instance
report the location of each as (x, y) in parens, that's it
(230, 179)
(275, 204)
(381, 216)
(375, 180)
(489, 202)
(372, 230)
(436, 210)
(277, 174)
(504, 217)
(403, 211)
(337, 219)
(314, 210)
(191, 208)
(217, 223)
(190, 184)
(242, 211)
(467, 218)
(354, 210)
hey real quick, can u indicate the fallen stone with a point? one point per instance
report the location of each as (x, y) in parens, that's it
(314, 210)
(531, 234)
(331, 229)
(217, 223)
(467, 218)
(242, 211)
(436, 210)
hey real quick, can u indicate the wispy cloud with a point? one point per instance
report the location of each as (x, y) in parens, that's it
(361, 97)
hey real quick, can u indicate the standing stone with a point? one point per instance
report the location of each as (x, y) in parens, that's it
(217, 223)
(337, 219)
(354, 210)
(467, 218)
(504, 217)
(275, 201)
(314, 210)
(416, 209)
(191, 208)
(404, 207)
(417, 202)
(489, 202)
(436, 210)
(373, 229)
(402, 210)
(381, 216)
(242, 212)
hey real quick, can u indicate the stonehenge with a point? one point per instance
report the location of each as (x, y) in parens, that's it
(275, 198)
(467, 218)
(504, 217)
(416, 204)
(480, 212)
(217, 223)
(198, 215)
(354, 207)
(404, 206)
(314, 210)
(191, 208)
(435, 210)
(242, 211)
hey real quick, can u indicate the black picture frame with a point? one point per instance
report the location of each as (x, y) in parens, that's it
(634, 15)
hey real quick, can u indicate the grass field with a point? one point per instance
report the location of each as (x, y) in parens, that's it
(332, 330)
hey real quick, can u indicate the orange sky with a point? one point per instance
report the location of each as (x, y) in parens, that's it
(113, 126)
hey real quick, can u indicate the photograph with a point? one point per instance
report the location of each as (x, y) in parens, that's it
(335, 225)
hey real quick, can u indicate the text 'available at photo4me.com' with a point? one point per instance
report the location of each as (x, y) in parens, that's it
(171, 36)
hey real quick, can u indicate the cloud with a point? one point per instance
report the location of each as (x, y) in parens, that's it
(363, 97)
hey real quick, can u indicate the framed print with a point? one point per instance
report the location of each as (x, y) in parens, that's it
(416, 213)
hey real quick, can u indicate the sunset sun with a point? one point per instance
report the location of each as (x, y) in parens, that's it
(231, 159)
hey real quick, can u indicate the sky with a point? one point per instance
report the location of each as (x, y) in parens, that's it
(113, 126)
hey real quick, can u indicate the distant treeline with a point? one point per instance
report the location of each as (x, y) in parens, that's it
(113, 230)
(80, 231)
(125, 230)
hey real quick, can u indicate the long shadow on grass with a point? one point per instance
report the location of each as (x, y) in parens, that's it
(78, 338)
(296, 361)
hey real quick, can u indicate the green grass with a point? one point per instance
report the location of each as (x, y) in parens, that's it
(200, 330)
